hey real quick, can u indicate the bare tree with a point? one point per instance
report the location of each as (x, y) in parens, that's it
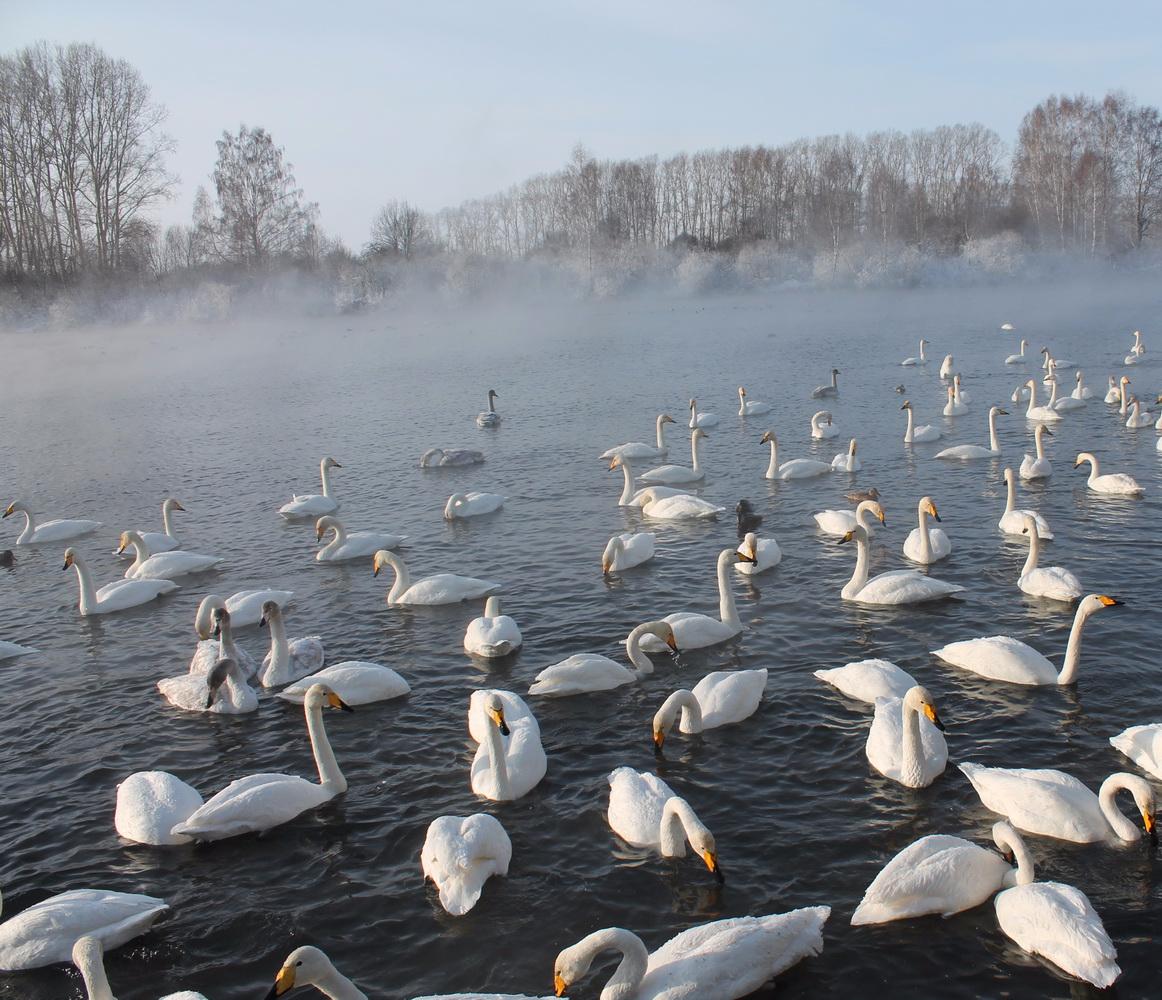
(399, 229)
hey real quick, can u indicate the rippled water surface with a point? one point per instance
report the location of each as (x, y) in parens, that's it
(104, 424)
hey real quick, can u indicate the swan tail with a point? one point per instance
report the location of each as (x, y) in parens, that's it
(502, 648)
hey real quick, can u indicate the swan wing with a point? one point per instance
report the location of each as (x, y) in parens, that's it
(672, 474)
(728, 696)
(186, 691)
(459, 855)
(631, 450)
(966, 451)
(357, 682)
(251, 804)
(867, 680)
(1000, 658)
(308, 505)
(447, 588)
(1042, 801)
(637, 548)
(245, 607)
(636, 801)
(1143, 745)
(122, 594)
(166, 565)
(905, 586)
(150, 804)
(62, 530)
(11, 649)
(680, 506)
(582, 673)
(1055, 582)
(835, 522)
(159, 541)
(803, 468)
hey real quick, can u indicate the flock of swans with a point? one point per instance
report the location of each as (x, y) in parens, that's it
(720, 960)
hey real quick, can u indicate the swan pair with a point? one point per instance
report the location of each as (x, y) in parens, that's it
(489, 417)
(60, 530)
(1109, 484)
(967, 452)
(797, 468)
(679, 474)
(120, 595)
(1054, 582)
(584, 673)
(351, 544)
(922, 434)
(164, 565)
(904, 586)
(721, 698)
(492, 635)
(441, 588)
(627, 550)
(638, 449)
(749, 407)
(510, 761)
(314, 504)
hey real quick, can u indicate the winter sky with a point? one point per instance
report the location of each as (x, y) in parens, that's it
(436, 101)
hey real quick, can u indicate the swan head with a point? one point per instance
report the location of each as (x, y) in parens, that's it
(493, 394)
(1125, 381)
(383, 558)
(616, 463)
(741, 392)
(998, 411)
(494, 709)
(699, 434)
(928, 506)
(1143, 795)
(667, 419)
(768, 437)
(70, 557)
(1030, 524)
(222, 617)
(663, 631)
(454, 501)
(749, 547)
(330, 463)
(614, 546)
(325, 524)
(172, 504)
(217, 677)
(1004, 836)
(126, 539)
(13, 507)
(907, 405)
(304, 966)
(834, 371)
(857, 534)
(919, 700)
(1083, 457)
(320, 695)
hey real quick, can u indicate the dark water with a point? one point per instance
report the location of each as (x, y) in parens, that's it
(106, 423)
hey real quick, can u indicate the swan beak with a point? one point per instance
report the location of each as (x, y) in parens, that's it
(743, 557)
(262, 623)
(336, 702)
(1108, 601)
(934, 514)
(711, 860)
(846, 538)
(659, 740)
(178, 506)
(497, 716)
(559, 984)
(375, 567)
(1076, 465)
(1004, 413)
(336, 465)
(1150, 825)
(120, 548)
(11, 510)
(606, 565)
(672, 642)
(934, 718)
(284, 982)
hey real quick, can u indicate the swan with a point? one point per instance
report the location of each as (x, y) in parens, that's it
(116, 596)
(749, 408)
(459, 855)
(288, 659)
(8, 650)
(840, 522)
(489, 417)
(1019, 357)
(927, 545)
(763, 553)
(150, 804)
(946, 367)
(960, 395)
(869, 680)
(966, 452)
(678, 474)
(584, 673)
(1123, 395)
(922, 434)
(1064, 404)
(224, 690)
(921, 360)
(822, 426)
(1143, 745)
(162, 541)
(639, 498)
(314, 504)
(440, 588)
(1113, 393)
(846, 461)
(701, 419)
(44, 933)
(88, 957)
(627, 550)
(263, 801)
(1137, 418)
(901, 586)
(164, 565)
(1037, 466)
(721, 698)
(1081, 390)
(357, 682)
(678, 507)
(1003, 658)
(221, 646)
(245, 608)
(903, 748)
(438, 458)
(1054, 582)
(351, 544)
(638, 449)
(1057, 922)
(50, 531)
(1112, 483)
(645, 812)
(821, 391)
(697, 631)
(797, 468)
(1137, 350)
(1050, 375)
(720, 960)
(1007, 326)
(470, 504)
(1012, 521)
(1055, 804)
(510, 761)
(1050, 361)
(492, 634)
(938, 874)
(952, 408)
(1035, 412)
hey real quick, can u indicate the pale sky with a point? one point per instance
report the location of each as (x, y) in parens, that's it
(435, 101)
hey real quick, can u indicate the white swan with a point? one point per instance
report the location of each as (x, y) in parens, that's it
(308, 966)
(822, 426)
(166, 540)
(489, 417)
(1136, 351)
(1037, 466)
(1050, 360)
(492, 634)
(937, 874)
(1003, 658)
(721, 698)
(459, 855)
(1055, 804)
(245, 608)
(440, 588)
(116, 596)
(163, 565)
(44, 933)
(701, 419)
(678, 474)
(639, 449)
(224, 690)
(351, 544)
(1034, 412)
(645, 812)
(840, 522)
(1081, 390)
(869, 680)
(750, 408)
(471, 504)
(8, 650)
(946, 366)
(961, 396)
(678, 507)
(221, 647)
(357, 682)
(846, 461)
(88, 957)
(1113, 393)
(631, 497)
(627, 550)
(952, 408)
(584, 673)
(1137, 418)
(921, 360)
(1123, 395)
(1143, 745)
(287, 659)
(926, 545)
(150, 804)
(697, 631)
(1012, 521)
(721, 960)
(49, 531)
(510, 761)
(821, 391)
(314, 504)
(1054, 582)
(901, 586)
(797, 468)
(437, 458)
(1019, 357)
(763, 553)
(922, 434)
(903, 747)
(1007, 327)
(1064, 404)
(967, 452)
(1111, 483)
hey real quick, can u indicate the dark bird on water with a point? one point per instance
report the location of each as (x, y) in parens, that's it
(7, 559)
(859, 496)
(748, 520)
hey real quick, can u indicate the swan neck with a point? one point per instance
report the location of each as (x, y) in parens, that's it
(1025, 872)
(337, 542)
(679, 825)
(726, 607)
(88, 591)
(1107, 800)
(627, 489)
(993, 444)
(680, 702)
(859, 577)
(630, 971)
(661, 434)
(1032, 398)
(922, 358)
(29, 525)
(1034, 549)
(694, 443)
(1010, 493)
(908, 433)
(279, 647)
(1039, 440)
(92, 970)
(330, 777)
(325, 475)
(167, 527)
(1072, 660)
(403, 579)
(336, 986)
(773, 467)
(633, 649)
(911, 757)
(925, 538)
(497, 762)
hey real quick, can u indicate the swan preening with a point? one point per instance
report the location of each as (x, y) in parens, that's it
(119, 595)
(638, 449)
(314, 504)
(1037, 466)
(927, 545)
(489, 417)
(697, 631)
(902, 586)
(822, 425)
(510, 761)
(472, 504)
(441, 588)
(351, 544)
(1003, 658)
(971, 451)
(583, 673)
(828, 390)
(459, 855)
(627, 550)
(797, 468)
(721, 698)
(492, 634)
(919, 435)
(437, 458)
(1012, 521)
(164, 565)
(701, 419)
(750, 408)
(679, 474)
(1055, 582)
(35, 533)
(164, 540)
(761, 554)
(1112, 483)
(904, 747)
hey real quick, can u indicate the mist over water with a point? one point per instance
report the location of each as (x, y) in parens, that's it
(232, 418)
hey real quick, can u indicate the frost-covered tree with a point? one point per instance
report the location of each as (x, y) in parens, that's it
(401, 230)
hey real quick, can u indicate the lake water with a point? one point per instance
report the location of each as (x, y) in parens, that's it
(105, 423)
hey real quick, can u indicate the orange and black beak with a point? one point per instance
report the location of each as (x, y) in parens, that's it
(559, 984)
(284, 982)
(336, 702)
